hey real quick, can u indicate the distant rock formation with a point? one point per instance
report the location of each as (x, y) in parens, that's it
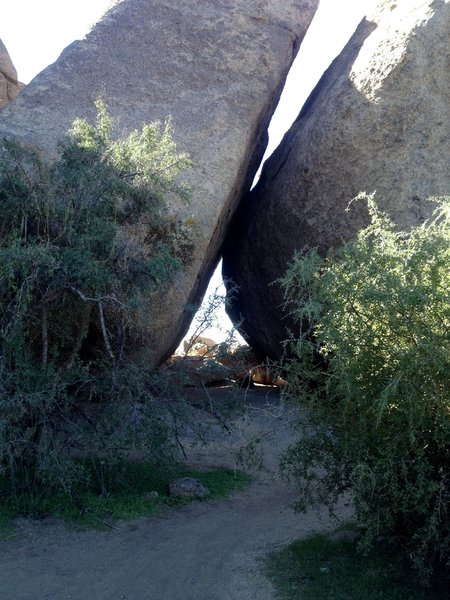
(217, 67)
(9, 85)
(377, 120)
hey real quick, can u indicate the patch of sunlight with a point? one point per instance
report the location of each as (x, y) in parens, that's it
(211, 320)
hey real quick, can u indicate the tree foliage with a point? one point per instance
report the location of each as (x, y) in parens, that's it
(85, 240)
(377, 314)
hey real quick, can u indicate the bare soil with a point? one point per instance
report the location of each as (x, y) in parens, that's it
(203, 551)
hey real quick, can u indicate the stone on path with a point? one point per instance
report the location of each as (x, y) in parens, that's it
(188, 487)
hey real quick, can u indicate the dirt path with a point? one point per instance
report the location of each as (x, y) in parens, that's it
(203, 551)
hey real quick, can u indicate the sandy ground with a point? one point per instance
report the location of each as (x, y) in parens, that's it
(204, 551)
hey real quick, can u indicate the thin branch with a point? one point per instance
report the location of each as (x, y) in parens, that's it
(107, 344)
(105, 333)
(213, 412)
(177, 439)
(44, 337)
(98, 300)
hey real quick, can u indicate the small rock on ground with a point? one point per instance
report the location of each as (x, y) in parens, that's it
(188, 487)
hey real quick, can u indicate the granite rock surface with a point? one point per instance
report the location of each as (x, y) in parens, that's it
(217, 67)
(377, 120)
(9, 84)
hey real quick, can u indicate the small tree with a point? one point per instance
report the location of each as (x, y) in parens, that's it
(85, 240)
(377, 313)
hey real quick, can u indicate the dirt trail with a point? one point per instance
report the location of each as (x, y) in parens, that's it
(203, 551)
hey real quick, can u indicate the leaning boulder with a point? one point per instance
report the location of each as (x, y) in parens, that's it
(217, 68)
(377, 120)
(9, 85)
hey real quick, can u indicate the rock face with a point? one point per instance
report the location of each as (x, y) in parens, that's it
(377, 120)
(217, 67)
(9, 85)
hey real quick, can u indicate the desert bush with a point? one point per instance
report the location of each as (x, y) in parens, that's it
(85, 240)
(372, 363)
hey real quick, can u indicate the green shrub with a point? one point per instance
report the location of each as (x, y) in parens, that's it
(377, 314)
(134, 490)
(85, 240)
(330, 567)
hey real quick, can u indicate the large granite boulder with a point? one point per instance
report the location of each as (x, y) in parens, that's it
(9, 85)
(377, 120)
(217, 67)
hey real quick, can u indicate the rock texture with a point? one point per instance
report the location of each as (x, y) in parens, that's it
(216, 66)
(188, 487)
(9, 85)
(377, 120)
